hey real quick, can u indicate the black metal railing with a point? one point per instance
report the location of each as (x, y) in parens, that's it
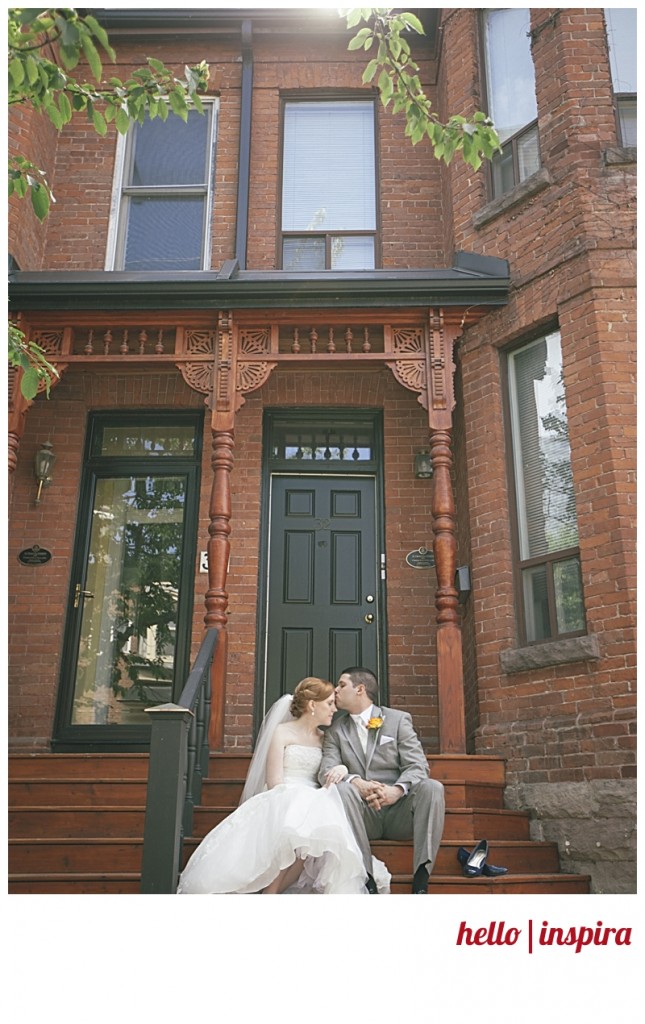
(178, 765)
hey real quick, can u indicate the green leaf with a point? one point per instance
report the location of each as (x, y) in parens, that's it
(93, 58)
(359, 39)
(99, 122)
(122, 122)
(100, 34)
(157, 65)
(40, 201)
(413, 22)
(17, 71)
(354, 16)
(178, 103)
(29, 383)
(370, 71)
(31, 67)
(69, 55)
(65, 107)
(53, 114)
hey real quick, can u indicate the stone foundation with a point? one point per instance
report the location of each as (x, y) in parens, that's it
(593, 823)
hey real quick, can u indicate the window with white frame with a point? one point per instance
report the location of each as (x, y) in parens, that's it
(621, 42)
(162, 202)
(550, 584)
(512, 105)
(328, 185)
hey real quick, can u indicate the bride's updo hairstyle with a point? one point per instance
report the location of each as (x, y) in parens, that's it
(308, 689)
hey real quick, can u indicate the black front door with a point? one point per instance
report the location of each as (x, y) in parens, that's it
(323, 599)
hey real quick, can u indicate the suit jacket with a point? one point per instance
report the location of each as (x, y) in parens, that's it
(394, 753)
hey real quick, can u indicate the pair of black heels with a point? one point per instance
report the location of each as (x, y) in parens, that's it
(474, 862)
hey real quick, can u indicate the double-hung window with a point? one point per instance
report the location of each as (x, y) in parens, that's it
(328, 185)
(549, 577)
(621, 42)
(163, 194)
(510, 82)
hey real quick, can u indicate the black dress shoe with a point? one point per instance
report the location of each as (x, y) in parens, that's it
(490, 870)
(420, 882)
(370, 886)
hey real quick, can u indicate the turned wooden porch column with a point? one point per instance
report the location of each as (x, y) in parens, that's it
(216, 600)
(218, 555)
(450, 674)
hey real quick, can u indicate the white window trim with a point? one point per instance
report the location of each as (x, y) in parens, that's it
(117, 191)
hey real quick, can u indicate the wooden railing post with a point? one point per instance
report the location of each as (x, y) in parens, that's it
(167, 781)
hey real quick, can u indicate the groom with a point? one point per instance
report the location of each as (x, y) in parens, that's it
(387, 793)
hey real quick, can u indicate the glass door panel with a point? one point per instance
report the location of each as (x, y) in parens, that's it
(128, 600)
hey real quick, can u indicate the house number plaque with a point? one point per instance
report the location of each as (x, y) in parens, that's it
(422, 558)
(35, 555)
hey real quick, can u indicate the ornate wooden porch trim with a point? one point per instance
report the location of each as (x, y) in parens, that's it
(229, 357)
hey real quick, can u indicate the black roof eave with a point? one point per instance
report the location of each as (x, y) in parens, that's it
(62, 290)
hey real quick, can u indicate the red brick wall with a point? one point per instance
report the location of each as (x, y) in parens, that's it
(76, 232)
(571, 251)
(38, 596)
(31, 135)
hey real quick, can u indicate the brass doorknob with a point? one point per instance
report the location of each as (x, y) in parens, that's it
(369, 617)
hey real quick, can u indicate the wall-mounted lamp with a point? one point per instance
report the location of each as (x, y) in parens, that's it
(43, 466)
(462, 583)
(423, 465)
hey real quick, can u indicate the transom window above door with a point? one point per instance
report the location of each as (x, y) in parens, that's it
(328, 185)
(162, 194)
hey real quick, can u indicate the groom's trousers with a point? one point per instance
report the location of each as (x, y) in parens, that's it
(418, 816)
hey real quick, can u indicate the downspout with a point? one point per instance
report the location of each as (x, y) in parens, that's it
(244, 168)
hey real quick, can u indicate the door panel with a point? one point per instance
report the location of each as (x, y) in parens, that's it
(323, 566)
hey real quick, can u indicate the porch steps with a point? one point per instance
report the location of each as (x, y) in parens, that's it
(76, 825)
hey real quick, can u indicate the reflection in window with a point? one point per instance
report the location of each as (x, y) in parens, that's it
(547, 524)
(165, 194)
(621, 42)
(322, 445)
(512, 104)
(129, 611)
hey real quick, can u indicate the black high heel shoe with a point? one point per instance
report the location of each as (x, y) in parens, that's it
(490, 870)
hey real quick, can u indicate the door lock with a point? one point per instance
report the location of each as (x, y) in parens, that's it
(369, 599)
(78, 594)
(369, 617)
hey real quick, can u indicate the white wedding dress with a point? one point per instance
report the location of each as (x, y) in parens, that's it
(268, 832)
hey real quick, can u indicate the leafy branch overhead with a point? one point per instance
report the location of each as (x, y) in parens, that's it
(396, 76)
(37, 80)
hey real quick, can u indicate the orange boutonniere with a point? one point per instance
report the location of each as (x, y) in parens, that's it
(375, 723)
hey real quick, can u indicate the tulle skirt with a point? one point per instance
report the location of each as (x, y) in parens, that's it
(267, 833)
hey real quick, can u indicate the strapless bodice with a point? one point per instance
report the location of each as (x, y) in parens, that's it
(301, 764)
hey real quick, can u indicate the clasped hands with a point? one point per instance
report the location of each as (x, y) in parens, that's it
(377, 794)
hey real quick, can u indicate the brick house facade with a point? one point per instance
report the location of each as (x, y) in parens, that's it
(555, 254)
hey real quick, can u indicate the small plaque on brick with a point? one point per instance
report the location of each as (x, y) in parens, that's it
(35, 555)
(422, 558)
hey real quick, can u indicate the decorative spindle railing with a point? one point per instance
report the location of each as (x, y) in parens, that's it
(178, 765)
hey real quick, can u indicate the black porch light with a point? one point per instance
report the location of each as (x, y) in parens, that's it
(423, 465)
(43, 465)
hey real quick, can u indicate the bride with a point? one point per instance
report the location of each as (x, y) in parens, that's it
(287, 835)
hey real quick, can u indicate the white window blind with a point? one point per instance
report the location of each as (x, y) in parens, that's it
(329, 166)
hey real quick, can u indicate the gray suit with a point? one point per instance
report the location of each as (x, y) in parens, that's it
(394, 755)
